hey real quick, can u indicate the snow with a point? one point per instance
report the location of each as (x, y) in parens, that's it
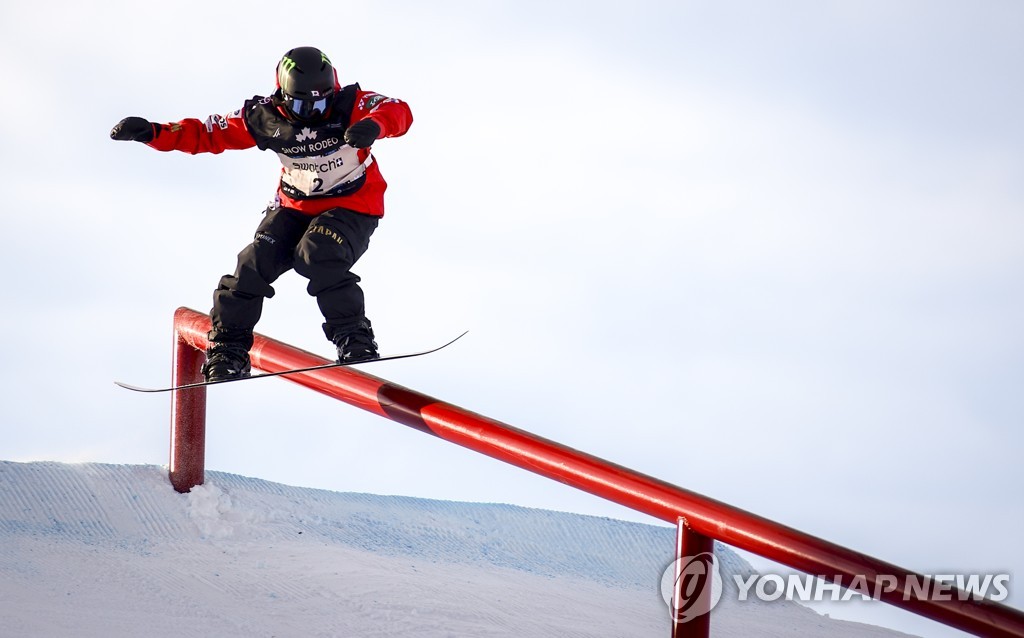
(94, 550)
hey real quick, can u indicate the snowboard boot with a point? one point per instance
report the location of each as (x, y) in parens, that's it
(357, 345)
(227, 360)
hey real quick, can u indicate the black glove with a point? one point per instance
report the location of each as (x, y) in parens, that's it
(362, 134)
(134, 129)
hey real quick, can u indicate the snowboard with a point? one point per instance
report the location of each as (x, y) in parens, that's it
(203, 384)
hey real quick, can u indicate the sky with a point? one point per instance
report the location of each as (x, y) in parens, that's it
(769, 252)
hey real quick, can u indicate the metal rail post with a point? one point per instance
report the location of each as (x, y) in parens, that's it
(188, 414)
(691, 592)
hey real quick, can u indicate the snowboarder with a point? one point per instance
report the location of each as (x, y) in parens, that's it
(328, 201)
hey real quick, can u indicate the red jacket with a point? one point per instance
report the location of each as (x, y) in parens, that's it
(319, 171)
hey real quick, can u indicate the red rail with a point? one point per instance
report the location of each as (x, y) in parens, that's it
(702, 516)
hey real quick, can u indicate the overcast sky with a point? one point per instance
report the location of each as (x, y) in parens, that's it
(771, 252)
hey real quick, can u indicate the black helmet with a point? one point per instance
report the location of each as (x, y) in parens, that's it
(306, 79)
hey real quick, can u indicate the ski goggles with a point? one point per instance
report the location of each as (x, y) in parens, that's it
(305, 109)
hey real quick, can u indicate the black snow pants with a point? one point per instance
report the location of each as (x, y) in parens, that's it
(321, 248)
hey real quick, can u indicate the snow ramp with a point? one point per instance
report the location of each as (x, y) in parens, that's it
(101, 551)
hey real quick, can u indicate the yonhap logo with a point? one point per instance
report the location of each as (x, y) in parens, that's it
(700, 585)
(844, 588)
(699, 582)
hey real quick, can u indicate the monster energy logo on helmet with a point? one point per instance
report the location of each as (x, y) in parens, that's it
(288, 64)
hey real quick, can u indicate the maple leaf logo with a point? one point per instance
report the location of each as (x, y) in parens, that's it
(305, 134)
